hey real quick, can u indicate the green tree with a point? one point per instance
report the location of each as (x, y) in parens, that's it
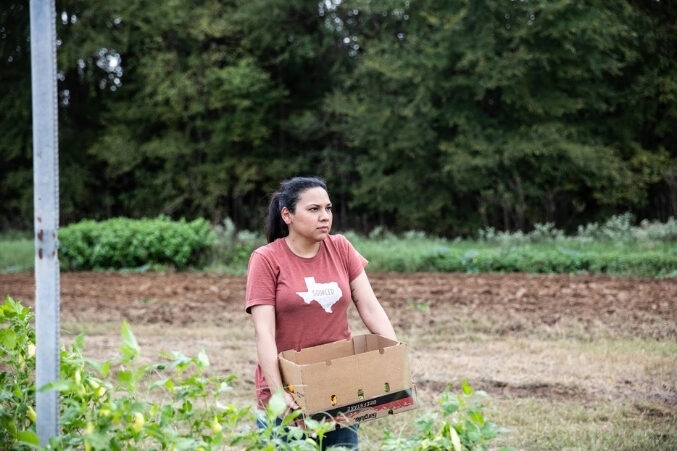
(15, 118)
(498, 113)
(214, 106)
(441, 116)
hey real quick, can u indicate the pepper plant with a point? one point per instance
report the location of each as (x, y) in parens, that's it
(175, 404)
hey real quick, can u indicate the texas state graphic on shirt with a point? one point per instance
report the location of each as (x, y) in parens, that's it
(325, 294)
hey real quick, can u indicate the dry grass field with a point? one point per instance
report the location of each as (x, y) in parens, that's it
(569, 362)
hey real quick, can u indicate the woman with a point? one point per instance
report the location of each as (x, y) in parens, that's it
(287, 283)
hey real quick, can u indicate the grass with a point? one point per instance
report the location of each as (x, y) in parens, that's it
(572, 425)
(560, 397)
(16, 253)
(553, 391)
(538, 424)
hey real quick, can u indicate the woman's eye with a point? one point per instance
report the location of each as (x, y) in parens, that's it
(328, 208)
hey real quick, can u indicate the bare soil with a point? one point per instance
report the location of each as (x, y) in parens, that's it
(506, 333)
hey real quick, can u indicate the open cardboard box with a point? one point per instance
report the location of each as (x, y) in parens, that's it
(351, 381)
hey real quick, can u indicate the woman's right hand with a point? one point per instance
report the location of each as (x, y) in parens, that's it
(289, 401)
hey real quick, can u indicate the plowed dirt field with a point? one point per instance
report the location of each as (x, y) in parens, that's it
(554, 338)
(647, 307)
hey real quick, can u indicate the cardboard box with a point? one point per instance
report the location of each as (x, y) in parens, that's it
(351, 381)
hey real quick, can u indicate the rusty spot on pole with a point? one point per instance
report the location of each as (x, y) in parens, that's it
(40, 234)
(39, 219)
(40, 253)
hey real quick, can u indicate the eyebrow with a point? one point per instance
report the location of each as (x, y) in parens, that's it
(319, 205)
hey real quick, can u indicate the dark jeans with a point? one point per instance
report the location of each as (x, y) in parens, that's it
(345, 436)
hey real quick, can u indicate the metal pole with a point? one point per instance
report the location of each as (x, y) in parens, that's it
(46, 205)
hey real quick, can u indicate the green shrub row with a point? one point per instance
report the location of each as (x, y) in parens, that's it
(617, 228)
(175, 405)
(128, 243)
(554, 259)
(419, 254)
(613, 247)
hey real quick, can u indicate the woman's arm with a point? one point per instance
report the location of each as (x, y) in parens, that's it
(370, 309)
(266, 349)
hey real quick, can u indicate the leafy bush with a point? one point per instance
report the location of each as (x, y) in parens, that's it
(545, 250)
(128, 243)
(541, 233)
(656, 231)
(111, 405)
(618, 228)
(613, 247)
(462, 427)
(106, 405)
(551, 259)
(233, 247)
(17, 361)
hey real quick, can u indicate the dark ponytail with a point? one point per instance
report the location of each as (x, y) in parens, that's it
(287, 196)
(275, 226)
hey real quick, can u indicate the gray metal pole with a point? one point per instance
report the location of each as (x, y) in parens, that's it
(46, 204)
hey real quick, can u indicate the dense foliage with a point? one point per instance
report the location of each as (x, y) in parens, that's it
(437, 116)
(128, 243)
(615, 246)
(174, 404)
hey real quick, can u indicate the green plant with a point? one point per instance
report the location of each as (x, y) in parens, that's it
(657, 231)
(462, 426)
(128, 243)
(232, 247)
(116, 404)
(283, 433)
(17, 361)
(174, 404)
(618, 228)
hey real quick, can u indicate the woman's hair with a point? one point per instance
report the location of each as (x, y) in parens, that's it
(287, 196)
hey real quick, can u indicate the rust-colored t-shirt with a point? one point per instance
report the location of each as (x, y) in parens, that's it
(311, 295)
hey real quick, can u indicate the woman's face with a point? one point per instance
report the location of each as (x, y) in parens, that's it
(312, 218)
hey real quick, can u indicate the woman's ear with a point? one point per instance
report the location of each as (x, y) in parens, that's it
(286, 215)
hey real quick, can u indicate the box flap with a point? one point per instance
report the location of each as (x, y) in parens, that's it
(345, 372)
(319, 353)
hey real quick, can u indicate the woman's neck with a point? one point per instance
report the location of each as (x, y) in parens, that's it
(301, 247)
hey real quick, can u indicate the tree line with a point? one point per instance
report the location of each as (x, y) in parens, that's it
(437, 116)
